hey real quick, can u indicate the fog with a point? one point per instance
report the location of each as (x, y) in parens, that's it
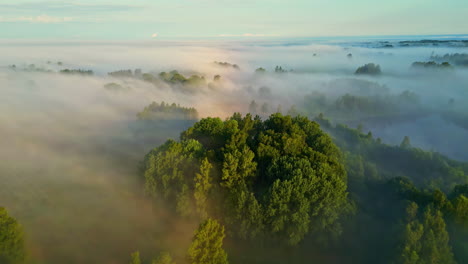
(70, 154)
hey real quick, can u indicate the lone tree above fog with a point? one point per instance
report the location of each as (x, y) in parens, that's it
(406, 143)
(281, 178)
(260, 70)
(370, 69)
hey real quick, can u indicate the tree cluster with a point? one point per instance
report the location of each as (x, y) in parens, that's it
(77, 71)
(165, 111)
(227, 65)
(280, 178)
(369, 69)
(431, 65)
(458, 59)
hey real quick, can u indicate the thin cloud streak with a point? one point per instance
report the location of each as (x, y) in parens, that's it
(248, 35)
(68, 6)
(37, 19)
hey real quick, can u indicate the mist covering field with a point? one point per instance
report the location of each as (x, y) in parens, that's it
(72, 145)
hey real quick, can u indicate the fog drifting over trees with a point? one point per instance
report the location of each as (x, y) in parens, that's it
(74, 137)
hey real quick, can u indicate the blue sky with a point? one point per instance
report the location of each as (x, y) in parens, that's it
(146, 19)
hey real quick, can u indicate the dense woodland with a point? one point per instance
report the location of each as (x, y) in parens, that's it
(283, 184)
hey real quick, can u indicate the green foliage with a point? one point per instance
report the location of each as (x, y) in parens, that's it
(431, 65)
(356, 107)
(207, 244)
(260, 70)
(280, 178)
(77, 71)
(170, 173)
(203, 185)
(148, 77)
(458, 59)
(175, 77)
(135, 258)
(164, 111)
(381, 184)
(414, 231)
(279, 69)
(436, 248)
(370, 69)
(121, 74)
(30, 68)
(458, 224)
(227, 65)
(426, 242)
(426, 169)
(196, 80)
(11, 239)
(163, 258)
(460, 211)
(115, 87)
(282, 181)
(405, 143)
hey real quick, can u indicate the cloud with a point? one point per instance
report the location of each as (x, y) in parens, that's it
(37, 19)
(154, 35)
(50, 19)
(67, 6)
(248, 35)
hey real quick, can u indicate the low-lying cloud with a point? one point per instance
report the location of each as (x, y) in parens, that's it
(65, 132)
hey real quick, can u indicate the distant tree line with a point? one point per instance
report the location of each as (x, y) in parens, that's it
(165, 111)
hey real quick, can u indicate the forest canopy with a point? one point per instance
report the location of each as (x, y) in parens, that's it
(280, 178)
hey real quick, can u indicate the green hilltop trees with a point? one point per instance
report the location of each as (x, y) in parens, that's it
(281, 184)
(425, 241)
(282, 177)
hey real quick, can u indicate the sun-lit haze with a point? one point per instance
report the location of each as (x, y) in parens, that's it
(90, 91)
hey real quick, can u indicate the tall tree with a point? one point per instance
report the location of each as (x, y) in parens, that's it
(203, 184)
(414, 230)
(207, 244)
(406, 142)
(426, 242)
(135, 258)
(435, 242)
(163, 258)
